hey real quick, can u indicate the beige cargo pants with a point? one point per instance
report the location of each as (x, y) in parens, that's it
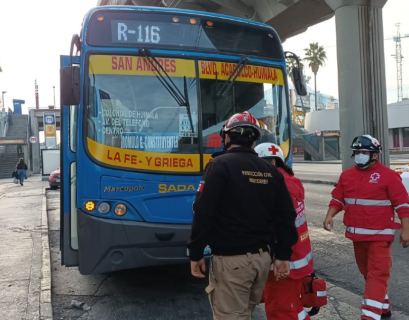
(236, 284)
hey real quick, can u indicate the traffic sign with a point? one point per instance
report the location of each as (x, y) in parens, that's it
(49, 118)
(33, 139)
(317, 133)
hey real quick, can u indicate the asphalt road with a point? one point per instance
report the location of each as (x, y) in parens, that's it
(315, 171)
(171, 293)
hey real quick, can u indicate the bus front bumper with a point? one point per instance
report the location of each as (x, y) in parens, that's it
(107, 245)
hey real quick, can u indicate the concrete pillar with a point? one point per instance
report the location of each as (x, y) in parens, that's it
(35, 147)
(400, 139)
(321, 140)
(361, 73)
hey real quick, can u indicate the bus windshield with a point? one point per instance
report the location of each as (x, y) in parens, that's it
(258, 89)
(134, 122)
(130, 109)
(265, 101)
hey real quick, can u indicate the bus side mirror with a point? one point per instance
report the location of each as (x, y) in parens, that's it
(70, 85)
(299, 82)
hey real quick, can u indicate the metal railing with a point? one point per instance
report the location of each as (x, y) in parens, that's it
(331, 146)
(312, 140)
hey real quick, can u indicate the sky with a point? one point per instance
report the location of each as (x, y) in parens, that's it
(394, 11)
(33, 35)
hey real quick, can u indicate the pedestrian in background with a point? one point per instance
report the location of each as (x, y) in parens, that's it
(369, 193)
(9, 118)
(21, 169)
(282, 298)
(239, 197)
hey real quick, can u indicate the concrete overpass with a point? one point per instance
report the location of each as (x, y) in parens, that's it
(287, 17)
(361, 65)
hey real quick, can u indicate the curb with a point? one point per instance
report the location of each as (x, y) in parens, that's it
(318, 181)
(46, 311)
(316, 162)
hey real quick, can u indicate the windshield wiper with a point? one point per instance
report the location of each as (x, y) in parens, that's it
(170, 86)
(189, 112)
(232, 78)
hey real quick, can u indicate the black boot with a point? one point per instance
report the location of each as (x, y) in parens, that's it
(386, 315)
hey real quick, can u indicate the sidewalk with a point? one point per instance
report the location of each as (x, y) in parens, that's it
(25, 256)
(342, 305)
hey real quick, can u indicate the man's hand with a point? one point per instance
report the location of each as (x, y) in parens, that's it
(404, 235)
(198, 268)
(329, 219)
(404, 238)
(281, 269)
(328, 223)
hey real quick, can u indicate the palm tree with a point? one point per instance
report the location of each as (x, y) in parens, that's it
(315, 55)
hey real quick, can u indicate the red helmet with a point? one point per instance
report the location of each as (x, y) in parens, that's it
(239, 121)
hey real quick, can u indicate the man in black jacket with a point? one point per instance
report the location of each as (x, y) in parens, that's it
(238, 201)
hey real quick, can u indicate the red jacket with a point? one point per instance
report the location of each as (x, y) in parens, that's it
(369, 198)
(301, 262)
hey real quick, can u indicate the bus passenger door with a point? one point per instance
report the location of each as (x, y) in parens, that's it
(68, 166)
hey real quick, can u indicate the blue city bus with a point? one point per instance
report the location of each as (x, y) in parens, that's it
(143, 100)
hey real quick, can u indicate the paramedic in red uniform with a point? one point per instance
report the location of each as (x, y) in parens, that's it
(282, 298)
(370, 193)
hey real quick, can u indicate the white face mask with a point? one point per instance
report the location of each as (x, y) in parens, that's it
(362, 160)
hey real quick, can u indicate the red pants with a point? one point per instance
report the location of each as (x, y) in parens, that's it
(374, 262)
(283, 299)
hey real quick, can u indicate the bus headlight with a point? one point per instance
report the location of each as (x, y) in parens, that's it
(104, 207)
(120, 209)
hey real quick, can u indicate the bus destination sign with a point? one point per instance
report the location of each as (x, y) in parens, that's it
(130, 29)
(136, 32)
(153, 32)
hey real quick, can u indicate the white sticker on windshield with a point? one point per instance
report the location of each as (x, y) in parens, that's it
(185, 127)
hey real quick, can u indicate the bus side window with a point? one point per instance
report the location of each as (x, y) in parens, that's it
(73, 128)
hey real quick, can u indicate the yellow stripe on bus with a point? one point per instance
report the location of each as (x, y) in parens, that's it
(140, 66)
(128, 65)
(153, 161)
(285, 147)
(141, 160)
(250, 73)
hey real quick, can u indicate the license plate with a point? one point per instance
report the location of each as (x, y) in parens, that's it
(57, 180)
(207, 251)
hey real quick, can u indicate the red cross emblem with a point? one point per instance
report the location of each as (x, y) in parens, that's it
(273, 150)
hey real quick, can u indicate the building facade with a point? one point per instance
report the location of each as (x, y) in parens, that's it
(398, 124)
